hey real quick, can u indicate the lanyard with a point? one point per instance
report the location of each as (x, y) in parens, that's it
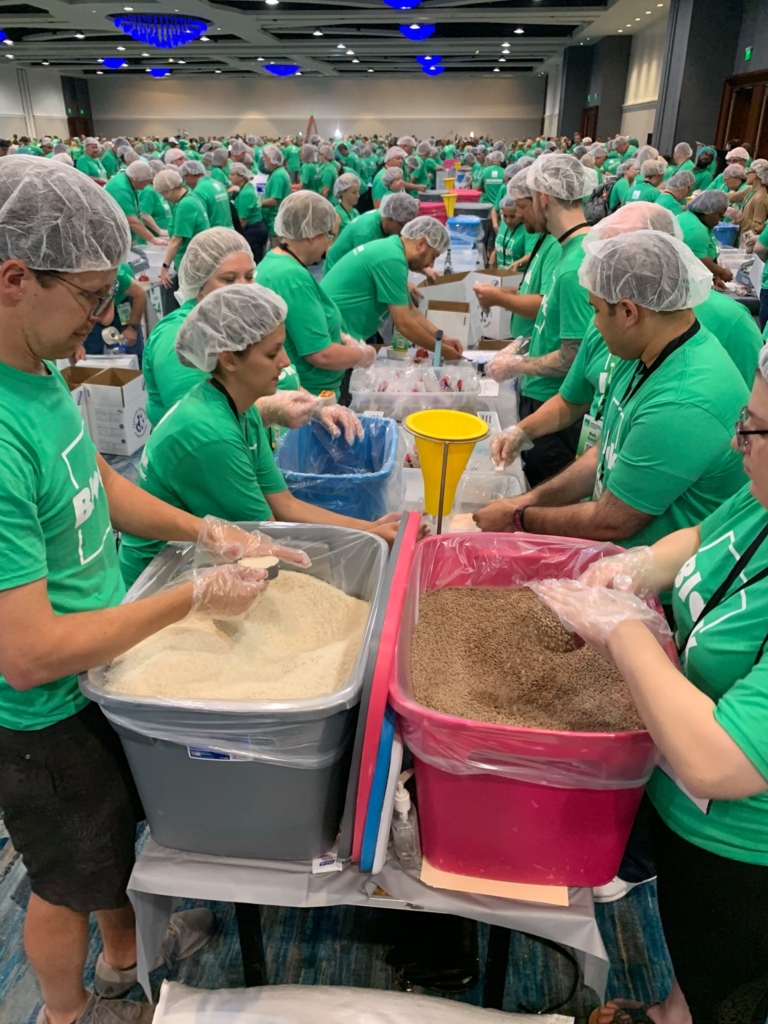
(572, 231)
(284, 247)
(643, 372)
(534, 253)
(721, 592)
(220, 387)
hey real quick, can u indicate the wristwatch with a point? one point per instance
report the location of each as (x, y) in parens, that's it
(518, 519)
(166, 266)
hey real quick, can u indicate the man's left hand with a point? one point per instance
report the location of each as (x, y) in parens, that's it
(497, 516)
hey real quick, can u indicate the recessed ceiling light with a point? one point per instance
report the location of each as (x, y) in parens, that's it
(99, 72)
(519, 31)
(317, 32)
(647, 12)
(120, 47)
(659, 5)
(9, 56)
(298, 75)
(181, 62)
(496, 69)
(502, 60)
(620, 31)
(370, 71)
(217, 72)
(101, 59)
(8, 42)
(127, 8)
(637, 19)
(271, 2)
(145, 55)
(218, 30)
(170, 60)
(79, 35)
(46, 63)
(629, 24)
(355, 61)
(341, 46)
(205, 39)
(260, 58)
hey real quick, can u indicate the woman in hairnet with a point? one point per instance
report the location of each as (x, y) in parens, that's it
(647, 190)
(277, 188)
(346, 192)
(309, 174)
(509, 246)
(306, 226)
(211, 451)
(675, 191)
(189, 219)
(329, 171)
(753, 212)
(415, 176)
(708, 799)
(155, 209)
(703, 213)
(492, 177)
(248, 210)
(220, 166)
(390, 182)
(738, 156)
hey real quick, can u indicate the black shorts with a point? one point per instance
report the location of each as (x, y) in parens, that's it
(71, 810)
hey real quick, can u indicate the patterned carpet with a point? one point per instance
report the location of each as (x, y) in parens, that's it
(347, 946)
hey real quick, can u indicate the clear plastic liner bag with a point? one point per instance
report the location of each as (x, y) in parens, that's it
(362, 479)
(567, 760)
(397, 389)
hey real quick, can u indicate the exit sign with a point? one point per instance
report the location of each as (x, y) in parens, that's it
(748, 53)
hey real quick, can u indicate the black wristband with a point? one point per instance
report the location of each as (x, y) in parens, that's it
(166, 266)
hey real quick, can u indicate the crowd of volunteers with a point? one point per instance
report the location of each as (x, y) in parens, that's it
(643, 420)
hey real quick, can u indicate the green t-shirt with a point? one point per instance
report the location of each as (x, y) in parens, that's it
(477, 176)
(165, 378)
(448, 152)
(510, 244)
(346, 216)
(157, 207)
(207, 460)
(697, 236)
(366, 228)
(432, 165)
(379, 189)
(248, 205)
(313, 322)
(702, 180)
(126, 197)
(220, 174)
(720, 661)
(686, 165)
(734, 327)
(592, 373)
(54, 524)
(278, 186)
(537, 275)
(214, 199)
(419, 176)
(642, 192)
(366, 282)
(666, 448)
(189, 219)
(310, 177)
(328, 175)
(564, 313)
(94, 168)
(492, 183)
(110, 162)
(618, 194)
(763, 240)
(292, 156)
(668, 201)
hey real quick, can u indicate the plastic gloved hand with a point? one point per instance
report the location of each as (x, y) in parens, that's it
(734, 214)
(594, 612)
(226, 591)
(287, 409)
(347, 339)
(337, 418)
(230, 543)
(507, 445)
(632, 572)
(369, 355)
(748, 239)
(505, 364)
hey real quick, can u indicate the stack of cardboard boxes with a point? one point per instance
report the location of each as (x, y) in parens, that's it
(112, 403)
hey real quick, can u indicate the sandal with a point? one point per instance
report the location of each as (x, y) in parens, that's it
(636, 1014)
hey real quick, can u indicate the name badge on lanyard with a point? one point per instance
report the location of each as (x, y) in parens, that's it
(591, 429)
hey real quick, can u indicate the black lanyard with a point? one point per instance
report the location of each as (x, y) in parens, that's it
(284, 247)
(534, 251)
(220, 387)
(721, 592)
(572, 231)
(643, 372)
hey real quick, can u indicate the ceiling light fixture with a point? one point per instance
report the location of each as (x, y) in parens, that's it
(8, 42)
(370, 71)
(271, 2)
(417, 33)
(637, 19)
(519, 31)
(79, 35)
(127, 8)
(182, 62)
(99, 72)
(120, 48)
(355, 61)
(205, 39)
(620, 31)
(46, 63)
(350, 53)
(162, 30)
(496, 69)
(317, 32)
(502, 60)
(217, 71)
(341, 46)
(298, 75)
(282, 70)
(145, 55)
(260, 59)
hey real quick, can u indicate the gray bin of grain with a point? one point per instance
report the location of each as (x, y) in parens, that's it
(253, 779)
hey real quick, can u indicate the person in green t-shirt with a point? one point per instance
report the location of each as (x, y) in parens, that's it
(211, 194)
(395, 211)
(328, 171)
(681, 160)
(642, 286)
(509, 245)
(346, 194)
(415, 175)
(370, 284)
(189, 219)
(707, 801)
(393, 160)
(674, 193)
(155, 210)
(248, 210)
(696, 222)
(219, 166)
(703, 171)
(61, 596)
(211, 451)
(89, 163)
(647, 190)
(761, 251)
(492, 181)
(109, 160)
(292, 158)
(277, 188)
(737, 157)
(126, 188)
(309, 174)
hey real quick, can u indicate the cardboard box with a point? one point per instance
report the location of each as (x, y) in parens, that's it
(450, 317)
(116, 400)
(76, 376)
(117, 362)
(448, 288)
(493, 323)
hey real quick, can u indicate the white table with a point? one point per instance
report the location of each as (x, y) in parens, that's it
(161, 877)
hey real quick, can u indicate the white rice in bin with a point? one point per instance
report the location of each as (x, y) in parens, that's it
(299, 640)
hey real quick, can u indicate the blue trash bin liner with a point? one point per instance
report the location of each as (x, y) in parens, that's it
(725, 233)
(353, 480)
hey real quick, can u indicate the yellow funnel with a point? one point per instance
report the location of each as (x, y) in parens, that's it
(450, 203)
(449, 182)
(444, 440)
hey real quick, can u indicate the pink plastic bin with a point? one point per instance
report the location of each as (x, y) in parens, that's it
(502, 802)
(436, 210)
(466, 195)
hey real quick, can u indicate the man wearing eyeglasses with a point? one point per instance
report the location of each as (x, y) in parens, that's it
(65, 788)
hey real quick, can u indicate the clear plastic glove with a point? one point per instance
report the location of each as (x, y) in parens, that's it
(290, 409)
(594, 612)
(507, 445)
(230, 543)
(369, 355)
(748, 239)
(337, 418)
(734, 214)
(347, 339)
(226, 591)
(634, 571)
(506, 364)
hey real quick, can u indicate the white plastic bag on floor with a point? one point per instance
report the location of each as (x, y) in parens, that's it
(310, 1004)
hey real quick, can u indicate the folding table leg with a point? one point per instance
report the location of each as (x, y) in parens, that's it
(496, 967)
(251, 944)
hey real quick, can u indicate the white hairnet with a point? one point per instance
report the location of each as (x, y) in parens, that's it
(412, 163)
(167, 180)
(561, 176)
(121, 141)
(650, 268)
(60, 148)
(228, 320)
(220, 158)
(639, 216)
(130, 156)
(390, 175)
(326, 151)
(423, 148)
(587, 160)
(597, 151)
(644, 153)
(622, 169)
(156, 165)
(511, 171)
(760, 168)
(192, 169)
(681, 179)
(517, 187)
(271, 153)
(711, 201)
(506, 202)
(53, 217)
(495, 157)
(251, 140)
(429, 228)
(469, 159)
(205, 254)
(738, 153)
(308, 154)
(174, 154)
(587, 140)
(735, 171)
(763, 362)
(407, 140)
(63, 158)
(305, 214)
(139, 171)
(684, 150)
(579, 151)
(90, 141)
(241, 170)
(399, 206)
(348, 180)
(393, 152)
(650, 168)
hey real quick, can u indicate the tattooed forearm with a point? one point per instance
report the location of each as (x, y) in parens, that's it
(554, 364)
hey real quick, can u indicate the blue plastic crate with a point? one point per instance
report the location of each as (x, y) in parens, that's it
(726, 234)
(353, 480)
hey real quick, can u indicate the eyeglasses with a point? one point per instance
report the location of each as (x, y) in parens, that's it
(103, 302)
(742, 435)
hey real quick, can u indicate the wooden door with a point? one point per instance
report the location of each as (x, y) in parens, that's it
(588, 125)
(743, 114)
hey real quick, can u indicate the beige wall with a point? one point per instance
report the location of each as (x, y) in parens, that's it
(552, 103)
(506, 108)
(643, 80)
(47, 103)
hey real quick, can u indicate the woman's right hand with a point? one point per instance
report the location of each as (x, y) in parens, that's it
(632, 572)
(226, 591)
